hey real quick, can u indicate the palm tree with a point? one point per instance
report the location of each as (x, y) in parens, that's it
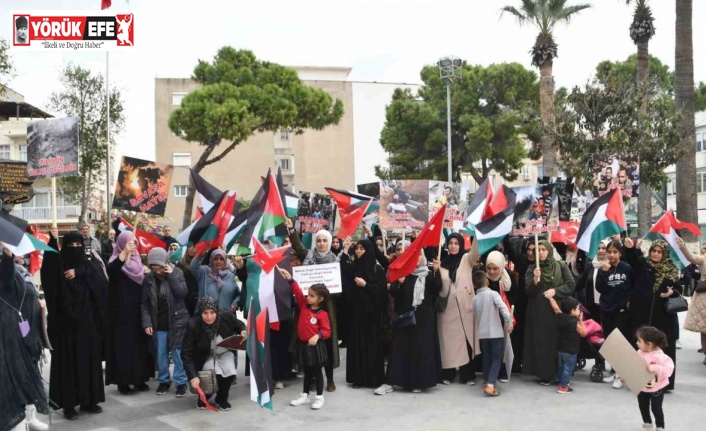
(544, 15)
(642, 30)
(684, 94)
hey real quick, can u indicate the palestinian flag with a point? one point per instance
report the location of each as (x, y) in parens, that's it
(477, 209)
(121, 225)
(258, 349)
(266, 218)
(198, 229)
(430, 236)
(603, 218)
(493, 230)
(209, 195)
(220, 221)
(290, 201)
(269, 290)
(235, 231)
(498, 203)
(352, 207)
(13, 233)
(668, 228)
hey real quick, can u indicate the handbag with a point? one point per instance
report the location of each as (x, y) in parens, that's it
(676, 305)
(700, 287)
(404, 320)
(208, 381)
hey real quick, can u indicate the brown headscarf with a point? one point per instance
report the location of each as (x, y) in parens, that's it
(664, 270)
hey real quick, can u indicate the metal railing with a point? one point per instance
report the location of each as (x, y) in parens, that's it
(44, 213)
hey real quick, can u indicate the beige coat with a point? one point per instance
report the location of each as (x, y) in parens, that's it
(696, 316)
(458, 320)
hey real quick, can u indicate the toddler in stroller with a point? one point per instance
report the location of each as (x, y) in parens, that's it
(590, 343)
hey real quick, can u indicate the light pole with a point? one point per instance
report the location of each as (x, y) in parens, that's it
(449, 70)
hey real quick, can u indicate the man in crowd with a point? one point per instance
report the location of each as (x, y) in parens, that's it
(90, 242)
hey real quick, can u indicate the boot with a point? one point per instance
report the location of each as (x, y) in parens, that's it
(22, 426)
(34, 424)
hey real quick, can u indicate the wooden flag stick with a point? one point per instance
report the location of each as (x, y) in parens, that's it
(536, 248)
(441, 233)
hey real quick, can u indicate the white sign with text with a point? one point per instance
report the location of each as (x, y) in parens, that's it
(328, 274)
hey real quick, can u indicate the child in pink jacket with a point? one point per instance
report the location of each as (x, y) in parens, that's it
(650, 342)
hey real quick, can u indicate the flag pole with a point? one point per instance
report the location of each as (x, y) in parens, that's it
(107, 134)
(53, 202)
(441, 233)
(536, 248)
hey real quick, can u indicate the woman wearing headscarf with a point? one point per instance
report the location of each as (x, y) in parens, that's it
(458, 334)
(552, 279)
(520, 252)
(365, 288)
(216, 280)
(412, 362)
(336, 245)
(655, 281)
(76, 290)
(586, 291)
(199, 351)
(501, 280)
(696, 316)
(192, 285)
(128, 364)
(21, 392)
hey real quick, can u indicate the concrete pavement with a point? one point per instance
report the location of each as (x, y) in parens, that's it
(523, 405)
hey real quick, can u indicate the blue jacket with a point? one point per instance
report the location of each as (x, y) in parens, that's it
(229, 292)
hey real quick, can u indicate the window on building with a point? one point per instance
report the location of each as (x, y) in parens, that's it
(540, 171)
(180, 191)
(23, 153)
(177, 98)
(4, 151)
(181, 159)
(700, 182)
(283, 138)
(700, 142)
(40, 200)
(671, 185)
(286, 163)
(525, 172)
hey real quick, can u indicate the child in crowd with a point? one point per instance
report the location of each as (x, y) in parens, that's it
(650, 342)
(488, 306)
(313, 327)
(571, 329)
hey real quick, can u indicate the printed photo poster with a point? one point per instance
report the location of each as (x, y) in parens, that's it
(617, 171)
(565, 191)
(536, 209)
(142, 186)
(404, 205)
(52, 148)
(372, 190)
(316, 212)
(456, 198)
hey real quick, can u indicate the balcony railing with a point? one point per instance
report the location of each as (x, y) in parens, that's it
(44, 213)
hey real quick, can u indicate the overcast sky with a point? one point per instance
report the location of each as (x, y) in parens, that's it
(382, 40)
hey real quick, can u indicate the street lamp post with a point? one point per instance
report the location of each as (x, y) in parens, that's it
(449, 70)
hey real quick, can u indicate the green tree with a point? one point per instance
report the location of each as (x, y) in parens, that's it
(544, 15)
(241, 95)
(685, 102)
(486, 123)
(6, 69)
(83, 96)
(700, 102)
(608, 119)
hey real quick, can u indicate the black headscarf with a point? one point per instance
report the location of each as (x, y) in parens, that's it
(338, 250)
(452, 261)
(365, 265)
(209, 303)
(72, 256)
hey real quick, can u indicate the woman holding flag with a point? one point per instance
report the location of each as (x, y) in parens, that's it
(656, 280)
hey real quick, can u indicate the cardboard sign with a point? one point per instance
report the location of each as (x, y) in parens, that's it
(328, 274)
(142, 186)
(624, 359)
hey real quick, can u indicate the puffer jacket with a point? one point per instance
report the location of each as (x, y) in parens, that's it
(178, 315)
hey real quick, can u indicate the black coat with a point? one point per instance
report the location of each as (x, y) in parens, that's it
(178, 315)
(106, 250)
(197, 346)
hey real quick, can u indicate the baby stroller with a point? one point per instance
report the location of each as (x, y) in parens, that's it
(588, 349)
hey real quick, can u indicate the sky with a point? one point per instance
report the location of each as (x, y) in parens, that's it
(381, 40)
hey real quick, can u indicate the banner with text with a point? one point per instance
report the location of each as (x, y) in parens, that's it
(315, 212)
(15, 187)
(404, 205)
(453, 194)
(142, 186)
(536, 210)
(328, 274)
(52, 148)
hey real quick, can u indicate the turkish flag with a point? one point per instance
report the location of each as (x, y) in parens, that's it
(568, 230)
(267, 259)
(147, 241)
(105, 4)
(430, 236)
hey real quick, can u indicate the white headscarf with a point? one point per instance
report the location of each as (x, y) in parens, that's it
(497, 259)
(420, 272)
(597, 264)
(315, 257)
(328, 236)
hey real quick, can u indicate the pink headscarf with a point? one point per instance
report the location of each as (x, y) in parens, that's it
(133, 266)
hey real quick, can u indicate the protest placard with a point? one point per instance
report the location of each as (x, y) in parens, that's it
(624, 359)
(328, 274)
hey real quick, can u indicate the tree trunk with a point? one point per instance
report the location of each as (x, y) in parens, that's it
(546, 101)
(687, 202)
(644, 202)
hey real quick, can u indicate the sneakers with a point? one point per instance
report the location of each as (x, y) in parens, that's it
(647, 427)
(416, 391)
(163, 388)
(617, 383)
(181, 391)
(70, 414)
(303, 399)
(384, 389)
(503, 380)
(491, 391)
(677, 344)
(471, 382)
(223, 405)
(564, 390)
(279, 384)
(609, 379)
(545, 382)
(200, 405)
(330, 386)
(446, 382)
(318, 402)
